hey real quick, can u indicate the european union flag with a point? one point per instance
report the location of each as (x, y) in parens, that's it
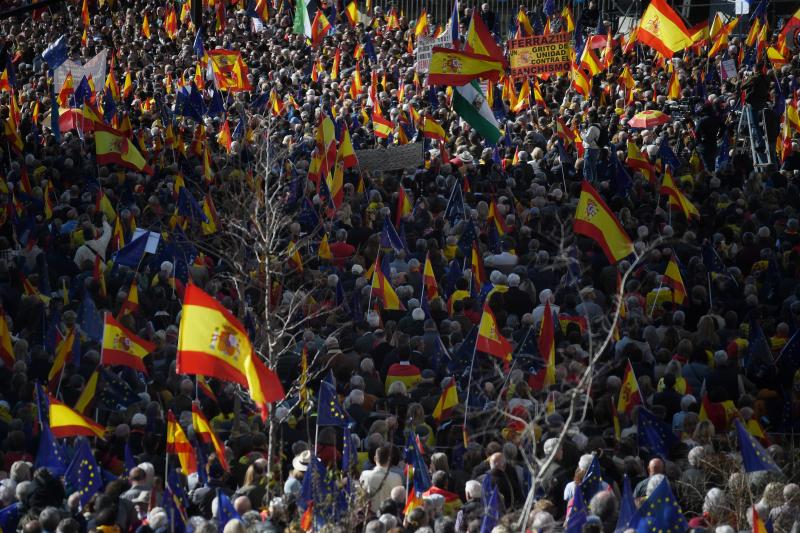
(627, 507)
(260, 102)
(308, 217)
(349, 453)
(549, 8)
(492, 511)
(389, 236)
(175, 508)
(463, 355)
(789, 357)
(42, 405)
(217, 106)
(754, 456)
(329, 411)
(759, 355)
(115, 394)
(225, 510)
(130, 254)
(578, 513)
(468, 236)
(9, 517)
(712, 261)
(82, 92)
(56, 53)
(592, 480)
(621, 182)
(340, 295)
(667, 156)
(654, 434)
(188, 206)
(723, 156)
(130, 462)
(198, 47)
(369, 48)
(660, 513)
(91, 320)
(760, 11)
(50, 454)
(413, 457)
(455, 210)
(83, 475)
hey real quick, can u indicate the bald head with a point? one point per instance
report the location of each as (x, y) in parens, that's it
(655, 466)
(497, 461)
(242, 504)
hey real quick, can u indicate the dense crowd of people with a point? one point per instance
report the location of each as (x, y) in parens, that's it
(722, 358)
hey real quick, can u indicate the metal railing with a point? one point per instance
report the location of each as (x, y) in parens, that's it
(440, 11)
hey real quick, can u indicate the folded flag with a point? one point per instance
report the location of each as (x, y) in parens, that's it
(66, 422)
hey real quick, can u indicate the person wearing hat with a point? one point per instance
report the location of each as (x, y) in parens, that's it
(294, 482)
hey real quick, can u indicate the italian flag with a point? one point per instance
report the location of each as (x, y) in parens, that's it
(470, 103)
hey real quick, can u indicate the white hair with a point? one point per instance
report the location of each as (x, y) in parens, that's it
(473, 490)
(696, 455)
(652, 483)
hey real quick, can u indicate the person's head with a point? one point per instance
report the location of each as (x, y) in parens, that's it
(473, 490)
(655, 466)
(439, 479)
(383, 455)
(375, 526)
(49, 518)
(497, 461)
(604, 505)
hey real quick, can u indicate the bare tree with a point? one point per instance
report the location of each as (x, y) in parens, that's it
(264, 252)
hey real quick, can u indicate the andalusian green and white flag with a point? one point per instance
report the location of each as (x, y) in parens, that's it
(470, 103)
(302, 20)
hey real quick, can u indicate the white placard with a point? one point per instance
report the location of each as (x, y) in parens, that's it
(425, 47)
(96, 67)
(152, 239)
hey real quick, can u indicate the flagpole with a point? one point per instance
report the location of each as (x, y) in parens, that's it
(655, 300)
(710, 301)
(469, 383)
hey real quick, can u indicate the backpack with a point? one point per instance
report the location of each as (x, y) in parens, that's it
(602, 140)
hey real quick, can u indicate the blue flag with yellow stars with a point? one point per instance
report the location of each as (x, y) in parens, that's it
(50, 454)
(349, 453)
(627, 507)
(329, 411)
(492, 514)
(413, 457)
(225, 510)
(754, 456)
(578, 513)
(9, 517)
(660, 513)
(592, 481)
(83, 475)
(654, 434)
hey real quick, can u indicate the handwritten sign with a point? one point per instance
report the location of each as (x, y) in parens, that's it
(425, 49)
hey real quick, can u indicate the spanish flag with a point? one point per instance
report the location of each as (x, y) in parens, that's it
(146, 27)
(353, 16)
(662, 29)
(6, 350)
(212, 342)
(447, 400)
(480, 40)
(547, 349)
(638, 160)
(122, 347)
(523, 23)
(88, 394)
(203, 430)
(429, 279)
(673, 280)
(66, 422)
(629, 394)
(476, 266)
(456, 68)
(674, 91)
(324, 251)
(493, 218)
(131, 303)
(432, 130)
(294, 257)
(67, 89)
(490, 340)
(421, 28)
(63, 356)
(113, 147)
(319, 28)
(581, 82)
(523, 99)
(178, 444)
(721, 414)
(381, 126)
(346, 152)
(676, 197)
(382, 289)
(404, 206)
(594, 219)
(590, 62)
